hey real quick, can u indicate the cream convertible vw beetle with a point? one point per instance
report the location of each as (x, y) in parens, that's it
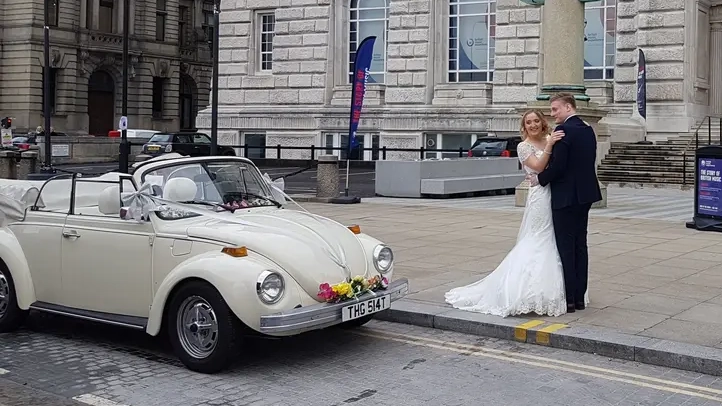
(200, 247)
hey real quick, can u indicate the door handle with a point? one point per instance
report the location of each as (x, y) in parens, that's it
(71, 234)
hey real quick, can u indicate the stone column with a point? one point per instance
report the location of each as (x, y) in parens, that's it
(563, 49)
(715, 47)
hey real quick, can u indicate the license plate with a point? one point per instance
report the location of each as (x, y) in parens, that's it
(153, 148)
(365, 307)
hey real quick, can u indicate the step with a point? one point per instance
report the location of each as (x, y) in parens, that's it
(661, 155)
(627, 145)
(625, 180)
(646, 163)
(645, 168)
(643, 175)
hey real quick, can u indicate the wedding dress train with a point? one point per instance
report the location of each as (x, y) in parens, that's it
(530, 278)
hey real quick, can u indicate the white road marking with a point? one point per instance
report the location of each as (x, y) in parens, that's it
(4, 371)
(90, 399)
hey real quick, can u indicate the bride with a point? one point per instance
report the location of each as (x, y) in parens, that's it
(530, 278)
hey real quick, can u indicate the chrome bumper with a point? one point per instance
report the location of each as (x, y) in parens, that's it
(323, 314)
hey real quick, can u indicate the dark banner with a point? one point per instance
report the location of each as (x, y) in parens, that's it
(361, 66)
(642, 85)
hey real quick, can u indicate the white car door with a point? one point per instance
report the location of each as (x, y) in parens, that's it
(106, 261)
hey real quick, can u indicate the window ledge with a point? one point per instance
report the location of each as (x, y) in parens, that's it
(464, 85)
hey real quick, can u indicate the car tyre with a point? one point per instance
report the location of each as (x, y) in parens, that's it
(204, 332)
(12, 316)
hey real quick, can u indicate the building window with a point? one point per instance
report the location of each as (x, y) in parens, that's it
(53, 88)
(208, 24)
(160, 17)
(267, 30)
(449, 141)
(184, 27)
(368, 18)
(600, 45)
(158, 90)
(337, 144)
(256, 145)
(472, 32)
(53, 13)
(105, 16)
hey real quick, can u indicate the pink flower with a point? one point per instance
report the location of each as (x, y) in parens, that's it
(384, 282)
(326, 292)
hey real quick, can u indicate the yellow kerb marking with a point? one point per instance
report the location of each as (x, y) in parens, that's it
(520, 330)
(542, 335)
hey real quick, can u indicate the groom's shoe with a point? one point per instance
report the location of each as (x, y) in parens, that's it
(571, 308)
(580, 306)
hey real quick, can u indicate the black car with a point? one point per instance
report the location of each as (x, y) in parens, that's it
(495, 146)
(184, 143)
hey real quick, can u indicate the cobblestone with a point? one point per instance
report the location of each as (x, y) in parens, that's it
(55, 359)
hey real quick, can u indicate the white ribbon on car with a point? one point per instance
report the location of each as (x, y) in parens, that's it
(141, 203)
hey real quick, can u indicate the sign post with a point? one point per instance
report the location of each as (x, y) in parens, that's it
(361, 67)
(707, 189)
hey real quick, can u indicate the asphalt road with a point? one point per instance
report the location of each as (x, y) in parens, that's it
(361, 180)
(57, 362)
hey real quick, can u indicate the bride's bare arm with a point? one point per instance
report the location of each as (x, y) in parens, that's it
(539, 164)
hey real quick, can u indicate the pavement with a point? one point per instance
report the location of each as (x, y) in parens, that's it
(56, 362)
(655, 286)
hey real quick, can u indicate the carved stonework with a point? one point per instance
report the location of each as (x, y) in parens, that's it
(163, 69)
(54, 58)
(184, 67)
(109, 60)
(133, 64)
(82, 61)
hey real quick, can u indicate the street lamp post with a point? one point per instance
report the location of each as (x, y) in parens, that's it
(46, 171)
(214, 85)
(124, 147)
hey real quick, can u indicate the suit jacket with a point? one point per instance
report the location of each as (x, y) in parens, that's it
(572, 168)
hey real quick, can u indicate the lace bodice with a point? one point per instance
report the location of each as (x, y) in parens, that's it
(525, 150)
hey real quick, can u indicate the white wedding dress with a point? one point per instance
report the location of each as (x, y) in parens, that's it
(531, 277)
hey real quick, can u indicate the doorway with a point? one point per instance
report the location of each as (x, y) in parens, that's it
(101, 103)
(187, 105)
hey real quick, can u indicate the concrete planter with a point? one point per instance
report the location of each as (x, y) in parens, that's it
(446, 177)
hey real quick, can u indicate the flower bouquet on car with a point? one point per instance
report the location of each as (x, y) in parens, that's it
(351, 290)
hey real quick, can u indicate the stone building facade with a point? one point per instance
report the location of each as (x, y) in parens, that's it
(169, 71)
(447, 71)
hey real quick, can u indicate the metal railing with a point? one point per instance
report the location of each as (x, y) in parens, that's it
(356, 153)
(696, 139)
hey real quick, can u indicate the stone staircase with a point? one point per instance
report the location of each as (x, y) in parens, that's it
(668, 163)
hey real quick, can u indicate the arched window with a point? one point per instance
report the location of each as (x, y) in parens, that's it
(600, 45)
(368, 18)
(472, 32)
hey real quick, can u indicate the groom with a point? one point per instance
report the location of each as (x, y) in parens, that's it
(574, 187)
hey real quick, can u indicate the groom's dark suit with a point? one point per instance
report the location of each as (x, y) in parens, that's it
(574, 186)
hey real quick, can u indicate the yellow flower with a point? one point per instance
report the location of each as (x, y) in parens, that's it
(342, 289)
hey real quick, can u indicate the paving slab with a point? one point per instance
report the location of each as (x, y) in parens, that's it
(655, 285)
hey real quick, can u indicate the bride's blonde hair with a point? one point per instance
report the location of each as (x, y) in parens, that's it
(544, 123)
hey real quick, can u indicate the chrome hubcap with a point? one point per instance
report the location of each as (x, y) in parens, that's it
(4, 295)
(197, 327)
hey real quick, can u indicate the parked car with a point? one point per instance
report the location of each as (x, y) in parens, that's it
(24, 142)
(207, 250)
(495, 146)
(184, 143)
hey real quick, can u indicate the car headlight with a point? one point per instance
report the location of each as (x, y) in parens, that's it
(383, 258)
(270, 287)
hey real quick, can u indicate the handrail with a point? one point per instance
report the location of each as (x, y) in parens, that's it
(707, 119)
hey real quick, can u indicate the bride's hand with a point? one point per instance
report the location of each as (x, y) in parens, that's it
(554, 137)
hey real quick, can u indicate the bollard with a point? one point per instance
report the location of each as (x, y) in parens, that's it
(8, 164)
(28, 164)
(327, 178)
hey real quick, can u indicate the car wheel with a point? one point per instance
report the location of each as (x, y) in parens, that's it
(11, 316)
(205, 334)
(358, 322)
